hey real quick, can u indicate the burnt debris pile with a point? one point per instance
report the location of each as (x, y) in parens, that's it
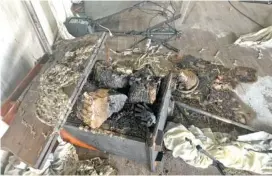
(121, 95)
(118, 102)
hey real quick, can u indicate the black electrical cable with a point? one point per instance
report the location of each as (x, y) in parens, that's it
(172, 7)
(246, 15)
(148, 30)
(160, 12)
(152, 13)
(165, 9)
(152, 19)
(138, 6)
(267, 2)
(161, 7)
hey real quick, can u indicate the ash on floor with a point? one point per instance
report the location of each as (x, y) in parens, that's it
(214, 93)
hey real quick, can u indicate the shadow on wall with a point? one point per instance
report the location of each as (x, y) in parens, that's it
(49, 15)
(46, 18)
(61, 10)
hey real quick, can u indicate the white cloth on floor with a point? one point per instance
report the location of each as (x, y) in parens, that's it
(249, 153)
(261, 39)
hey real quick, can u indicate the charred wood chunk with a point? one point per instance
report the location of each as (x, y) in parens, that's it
(108, 78)
(143, 89)
(95, 107)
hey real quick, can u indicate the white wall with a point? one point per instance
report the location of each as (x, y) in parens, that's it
(19, 45)
(19, 42)
(46, 18)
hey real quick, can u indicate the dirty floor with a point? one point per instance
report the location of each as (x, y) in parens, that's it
(207, 31)
(169, 166)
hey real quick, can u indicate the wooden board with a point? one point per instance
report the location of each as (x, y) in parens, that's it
(27, 137)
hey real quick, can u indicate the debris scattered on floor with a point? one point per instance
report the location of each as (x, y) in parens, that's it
(159, 63)
(65, 73)
(95, 166)
(140, 86)
(198, 83)
(215, 92)
(248, 152)
(64, 161)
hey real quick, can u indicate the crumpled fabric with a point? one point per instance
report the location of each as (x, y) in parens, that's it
(64, 161)
(249, 152)
(260, 39)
